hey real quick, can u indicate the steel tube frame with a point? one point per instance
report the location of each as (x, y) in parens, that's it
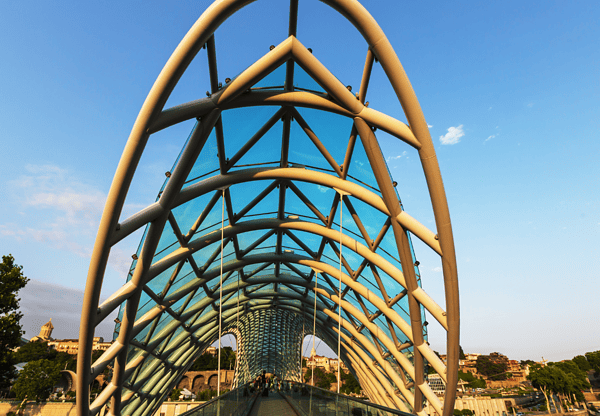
(339, 100)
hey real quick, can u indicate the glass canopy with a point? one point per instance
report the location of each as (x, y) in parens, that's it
(278, 219)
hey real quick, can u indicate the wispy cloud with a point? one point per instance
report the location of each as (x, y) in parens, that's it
(453, 136)
(401, 155)
(490, 137)
(430, 126)
(322, 189)
(437, 269)
(61, 211)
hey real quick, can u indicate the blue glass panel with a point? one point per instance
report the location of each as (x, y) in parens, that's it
(167, 244)
(275, 79)
(367, 279)
(187, 214)
(207, 161)
(159, 282)
(302, 80)
(360, 170)
(243, 193)
(333, 131)
(372, 219)
(236, 134)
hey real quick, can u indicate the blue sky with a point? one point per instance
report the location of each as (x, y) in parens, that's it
(510, 89)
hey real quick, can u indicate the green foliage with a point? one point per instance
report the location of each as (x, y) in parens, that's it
(560, 378)
(11, 281)
(461, 353)
(37, 379)
(582, 363)
(32, 351)
(574, 379)
(493, 370)
(39, 350)
(350, 384)
(474, 382)
(593, 359)
(175, 394)
(209, 362)
(206, 395)
(464, 412)
(322, 379)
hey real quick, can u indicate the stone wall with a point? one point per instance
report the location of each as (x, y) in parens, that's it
(42, 409)
(196, 381)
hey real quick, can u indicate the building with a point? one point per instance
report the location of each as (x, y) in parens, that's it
(437, 384)
(70, 346)
(327, 364)
(45, 332)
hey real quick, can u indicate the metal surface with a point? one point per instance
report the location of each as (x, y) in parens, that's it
(279, 229)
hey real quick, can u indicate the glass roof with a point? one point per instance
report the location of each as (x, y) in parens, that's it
(279, 196)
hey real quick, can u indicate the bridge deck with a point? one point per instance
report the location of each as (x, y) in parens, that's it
(271, 406)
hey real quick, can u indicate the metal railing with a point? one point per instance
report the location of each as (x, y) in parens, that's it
(313, 401)
(237, 402)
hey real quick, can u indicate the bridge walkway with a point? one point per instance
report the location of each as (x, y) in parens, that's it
(274, 405)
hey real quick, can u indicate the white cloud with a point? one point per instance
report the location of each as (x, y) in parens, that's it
(490, 137)
(323, 189)
(60, 211)
(453, 136)
(437, 269)
(430, 126)
(390, 158)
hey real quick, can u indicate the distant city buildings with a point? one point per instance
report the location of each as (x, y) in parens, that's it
(327, 364)
(70, 346)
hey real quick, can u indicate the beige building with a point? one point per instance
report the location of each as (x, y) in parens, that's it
(327, 364)
(70, 346)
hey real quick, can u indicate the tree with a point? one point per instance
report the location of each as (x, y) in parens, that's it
(473, 381)
(11, 281)
(542, 379)
(461, 354)
(575, 380)
(593, 359)
(582, 363)
(175, 393)
(32, 351)
(350, 383)
(492, 368)
(37, 379)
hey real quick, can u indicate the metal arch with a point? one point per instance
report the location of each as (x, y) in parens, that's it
(150, 119)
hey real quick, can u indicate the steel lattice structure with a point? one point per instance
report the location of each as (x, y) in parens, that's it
(281, 151)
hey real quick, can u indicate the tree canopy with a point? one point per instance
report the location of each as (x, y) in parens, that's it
(492, 368)
(11, 281)
(37, 379)
(210, 362)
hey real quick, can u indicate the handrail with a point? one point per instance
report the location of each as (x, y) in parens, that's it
(239, 411)
(333, 394)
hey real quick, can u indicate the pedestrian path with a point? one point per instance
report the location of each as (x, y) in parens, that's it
(274, 405)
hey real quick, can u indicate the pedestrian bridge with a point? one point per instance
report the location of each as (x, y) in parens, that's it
(279, 219)
(291, 399)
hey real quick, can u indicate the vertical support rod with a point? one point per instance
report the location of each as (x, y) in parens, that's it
(221, 294)
(340, 298)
